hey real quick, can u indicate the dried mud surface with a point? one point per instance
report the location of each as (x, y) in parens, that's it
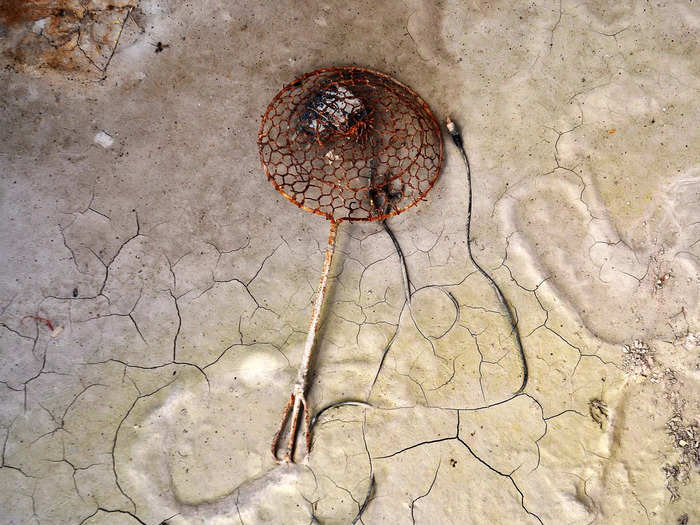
(156, 289)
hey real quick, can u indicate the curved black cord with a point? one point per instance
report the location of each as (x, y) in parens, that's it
(402, 261)
(457, 139)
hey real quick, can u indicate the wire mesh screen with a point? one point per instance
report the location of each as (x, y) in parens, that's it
(350, 144)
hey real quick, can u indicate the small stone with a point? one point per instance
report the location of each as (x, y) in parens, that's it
(104, 139)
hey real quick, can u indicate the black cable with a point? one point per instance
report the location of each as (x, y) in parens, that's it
(457, 139)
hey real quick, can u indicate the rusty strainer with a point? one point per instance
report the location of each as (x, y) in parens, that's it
(350, 144)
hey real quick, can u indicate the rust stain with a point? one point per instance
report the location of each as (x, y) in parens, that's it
(73, 35)
(63, 57)
(19, 11)
(14, 12)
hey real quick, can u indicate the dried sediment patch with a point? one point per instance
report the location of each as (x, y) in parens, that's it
(639, 360)
(686, 439)
(75, 38)
(642, 362)
(682, 427)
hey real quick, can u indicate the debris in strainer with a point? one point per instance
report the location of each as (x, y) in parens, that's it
(334, 108)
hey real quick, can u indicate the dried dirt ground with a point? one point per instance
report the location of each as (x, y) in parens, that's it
(171, 285)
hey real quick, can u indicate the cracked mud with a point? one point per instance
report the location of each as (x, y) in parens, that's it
(156, 290)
